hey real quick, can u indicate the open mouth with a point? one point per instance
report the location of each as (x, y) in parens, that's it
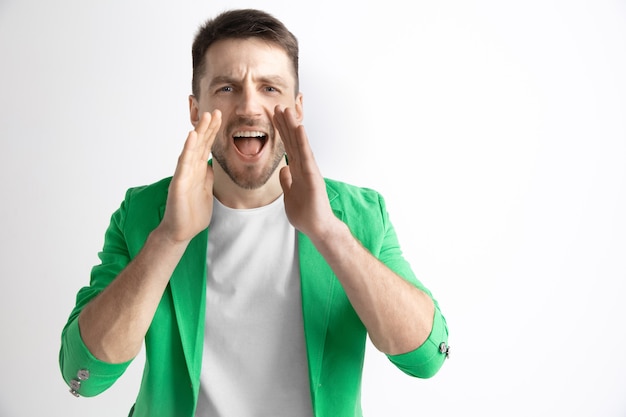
(250, 143)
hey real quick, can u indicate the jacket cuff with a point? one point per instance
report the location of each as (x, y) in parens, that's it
(85, 374)
(426, 360)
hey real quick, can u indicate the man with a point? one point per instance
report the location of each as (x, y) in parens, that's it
(251, 279)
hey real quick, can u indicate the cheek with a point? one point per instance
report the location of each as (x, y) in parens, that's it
(220, 143)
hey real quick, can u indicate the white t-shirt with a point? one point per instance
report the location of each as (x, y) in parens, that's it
(254, 360)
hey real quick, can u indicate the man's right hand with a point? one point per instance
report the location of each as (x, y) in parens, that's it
(190, 197)
(113, 325)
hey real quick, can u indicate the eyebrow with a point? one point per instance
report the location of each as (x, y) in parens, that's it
(270, 79)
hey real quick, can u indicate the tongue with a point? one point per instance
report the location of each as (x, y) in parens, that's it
(249, 146)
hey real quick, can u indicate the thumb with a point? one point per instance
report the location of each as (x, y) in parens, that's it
(209, 177)
(285, 179)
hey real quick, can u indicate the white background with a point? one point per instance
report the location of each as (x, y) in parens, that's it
(496, 131)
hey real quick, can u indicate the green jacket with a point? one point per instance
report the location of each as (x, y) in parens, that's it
(335, 337)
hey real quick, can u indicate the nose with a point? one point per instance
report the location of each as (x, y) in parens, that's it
(249, 103)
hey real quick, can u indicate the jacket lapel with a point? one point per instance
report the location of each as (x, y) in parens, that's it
(188, 286)
(318, 285)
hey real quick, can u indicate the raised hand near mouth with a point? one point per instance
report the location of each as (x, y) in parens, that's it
(306, 200)
(190, 197)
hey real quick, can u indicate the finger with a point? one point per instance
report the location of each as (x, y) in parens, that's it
(191, 144)
(291, 133)
(203, 123)
(281, 126)
(199, 140)
(207, 130)
(193, 148)
(284, 124)
(300, 146)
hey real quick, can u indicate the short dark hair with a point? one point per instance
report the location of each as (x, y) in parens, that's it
(241, 24)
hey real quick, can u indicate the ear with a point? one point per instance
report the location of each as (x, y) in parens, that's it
(299, 108)
(194, 112)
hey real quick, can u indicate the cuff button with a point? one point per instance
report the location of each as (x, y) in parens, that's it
(82, 375)
(75, 384)
(445, 349)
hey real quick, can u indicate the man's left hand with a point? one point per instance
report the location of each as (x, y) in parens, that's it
(306, 200)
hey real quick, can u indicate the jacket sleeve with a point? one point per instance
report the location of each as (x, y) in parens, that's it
(426, 360)
(84, 373)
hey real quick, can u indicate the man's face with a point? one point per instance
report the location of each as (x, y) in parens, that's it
(245, 79)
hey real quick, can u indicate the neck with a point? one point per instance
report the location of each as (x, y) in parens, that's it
(233, 196)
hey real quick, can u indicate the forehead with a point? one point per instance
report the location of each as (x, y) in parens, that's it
(238, 58)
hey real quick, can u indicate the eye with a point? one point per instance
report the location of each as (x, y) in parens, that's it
(271, 89)
(225, 89)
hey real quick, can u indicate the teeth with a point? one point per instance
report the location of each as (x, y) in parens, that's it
(249, 134)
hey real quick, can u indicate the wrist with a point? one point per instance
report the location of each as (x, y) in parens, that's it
(162, 238)
(335, 234)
